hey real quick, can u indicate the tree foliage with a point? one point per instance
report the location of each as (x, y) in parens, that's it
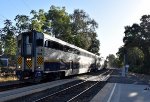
(8, 38)
(76, 28)
(111, 59)
(137, 37)
(83, 30)
(22, 23)
(114, 61)
(60, 22)
(39, 21)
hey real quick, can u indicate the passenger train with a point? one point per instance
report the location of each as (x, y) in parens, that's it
(40, 56)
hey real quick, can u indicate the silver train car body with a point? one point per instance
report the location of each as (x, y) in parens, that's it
(40, 55)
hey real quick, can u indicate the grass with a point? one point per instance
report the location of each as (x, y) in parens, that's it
(7, 74)
(8, 78)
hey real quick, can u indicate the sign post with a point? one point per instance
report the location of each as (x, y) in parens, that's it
(123, 71)
(126, 69)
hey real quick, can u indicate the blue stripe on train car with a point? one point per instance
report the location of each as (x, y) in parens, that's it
(54, 66)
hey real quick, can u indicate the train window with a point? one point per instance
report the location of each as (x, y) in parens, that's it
(19, 43)
(60, 47)
(49, 44)
(46, 44)
(78, 52)
(70, 49)
(29, 36)
(74, 51)
(54, 45)
(65, 48)
(39, 42)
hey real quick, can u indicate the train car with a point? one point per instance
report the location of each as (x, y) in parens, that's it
(4, 62)
(40, 56)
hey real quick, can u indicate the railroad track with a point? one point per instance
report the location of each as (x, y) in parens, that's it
(77, 92)
(51, 89)
(21, 84)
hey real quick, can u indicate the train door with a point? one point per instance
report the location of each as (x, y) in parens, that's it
(71, 66)
(20, 59)
(28, 51)
(39, 52)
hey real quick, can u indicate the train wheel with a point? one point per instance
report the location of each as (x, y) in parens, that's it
(20, 77)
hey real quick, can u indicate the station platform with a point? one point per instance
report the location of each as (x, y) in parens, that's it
(117, 92)
(19, 92)
(132, 88)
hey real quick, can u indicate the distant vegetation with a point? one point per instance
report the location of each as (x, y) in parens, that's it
(76, 28)
(137, 46)
(113, 61)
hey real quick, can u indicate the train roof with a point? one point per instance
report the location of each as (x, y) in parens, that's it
(49, 37)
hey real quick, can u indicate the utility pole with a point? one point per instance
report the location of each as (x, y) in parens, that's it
(126, 66)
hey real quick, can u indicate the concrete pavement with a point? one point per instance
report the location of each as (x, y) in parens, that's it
(125, 89)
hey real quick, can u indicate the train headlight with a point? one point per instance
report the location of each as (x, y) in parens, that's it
(38, 67)
(28, 59)
(19, 67)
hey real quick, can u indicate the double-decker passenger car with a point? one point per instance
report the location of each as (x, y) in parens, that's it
(40, 55)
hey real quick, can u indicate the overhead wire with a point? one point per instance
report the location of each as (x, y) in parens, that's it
(15, 6)
(3, 17)
(26, 4)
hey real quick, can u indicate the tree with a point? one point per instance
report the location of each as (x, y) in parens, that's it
(40, 22)
(22, 23)
(138, 35)
(111, 60)
(105, 64)
(1, 47)
(135, 58)
(94, 47)
(83, 30)
(8, 38)
(60, 23)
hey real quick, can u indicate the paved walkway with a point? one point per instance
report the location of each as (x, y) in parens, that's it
(124, 89)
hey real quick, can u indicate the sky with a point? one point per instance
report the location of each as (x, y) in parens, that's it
(111, 15)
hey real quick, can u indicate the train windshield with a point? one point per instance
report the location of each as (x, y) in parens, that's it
(39, 42)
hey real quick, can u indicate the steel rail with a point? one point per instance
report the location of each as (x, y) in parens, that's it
(89, 87)
(67, 88)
